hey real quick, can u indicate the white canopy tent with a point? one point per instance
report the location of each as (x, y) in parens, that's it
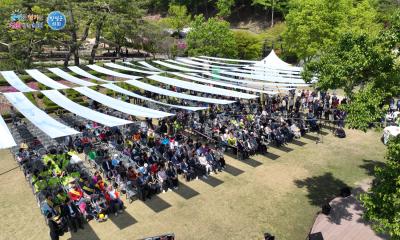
(82, 111)
(45, 80)
(6, 139)
(203, 80)
(122, 106)
(162, 91)
(111, 72)
(85, 74)
(120, 67)
(70, 78)
(274, 62)
(201, 88)
(131, 94)
(39, 118)
(16, 82)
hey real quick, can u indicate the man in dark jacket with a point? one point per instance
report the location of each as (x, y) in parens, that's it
(72, 214)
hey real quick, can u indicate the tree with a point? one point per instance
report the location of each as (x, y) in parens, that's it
(274, 5)
(382, 202)
(224, 7)
(212, 38)
(249, 45)
(178, 17)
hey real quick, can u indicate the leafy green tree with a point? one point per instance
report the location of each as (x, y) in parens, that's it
(224, 7)
(382, 202)
(249, 45)
(178, 17)
(212, 38)
(273, 5)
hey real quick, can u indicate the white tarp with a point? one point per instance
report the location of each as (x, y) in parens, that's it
(268, 72)
(248, 82)
(6, 139)
(229, 60)
(111, 72)
(64, 75)
(390, 132)
(143, 63)
(16, 82)
(177, 67)
(129, 93)
(162, 91)
(38, 117)
(85, 74)
(120, 67)
(82, 111)
(179, 63)
(203, 80)
(217, 63)
(203, 65)
(122, 106)
(45, 80)
(201, 88)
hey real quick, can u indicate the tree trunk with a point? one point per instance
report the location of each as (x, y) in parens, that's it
(74, 38)
(272, 13)
(99, 27)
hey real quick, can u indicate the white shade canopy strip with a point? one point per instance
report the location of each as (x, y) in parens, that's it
(265, 77)
(201, 88)
(216, 63)
(247, 82)
(12, 78)
(162, 91)
(70, 78)
(207, 81)
(45, 80)
(201, 64)
(39, 118)
(229, 60)
(120, 67)
(111, 72)
(82, 111)
(86, 74)
(6, 139)
(131, 94)
(145, 64)
(121, 106)
(172, 66)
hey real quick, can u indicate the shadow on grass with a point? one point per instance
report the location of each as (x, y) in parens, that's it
(370, 165)
(87, 233)
(321, 189)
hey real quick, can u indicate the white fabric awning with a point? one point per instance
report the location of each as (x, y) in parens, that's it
(207, 81)
(145, 64)
(274, 62)
(120, 67)
(172, 66)
(38, 117)
(131, 94)
(16, 82)
(201, 88)
(267, 72)
(266, 77)
(217, 63)
(64, 75)
(111, 72)
(179, 63)
(45, 80)
(6, 139)
(202, 64)
(162, 91)
(229, 60)
(82, 111)
(122, 106)
(85, 74)
(248, 82)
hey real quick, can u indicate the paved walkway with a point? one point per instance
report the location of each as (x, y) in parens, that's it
(345, 220)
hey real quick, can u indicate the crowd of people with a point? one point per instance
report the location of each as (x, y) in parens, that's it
(144, 159)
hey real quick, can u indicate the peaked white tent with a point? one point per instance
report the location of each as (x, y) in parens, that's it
(274, 62)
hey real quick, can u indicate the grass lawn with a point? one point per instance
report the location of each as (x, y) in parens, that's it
(279, 196)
